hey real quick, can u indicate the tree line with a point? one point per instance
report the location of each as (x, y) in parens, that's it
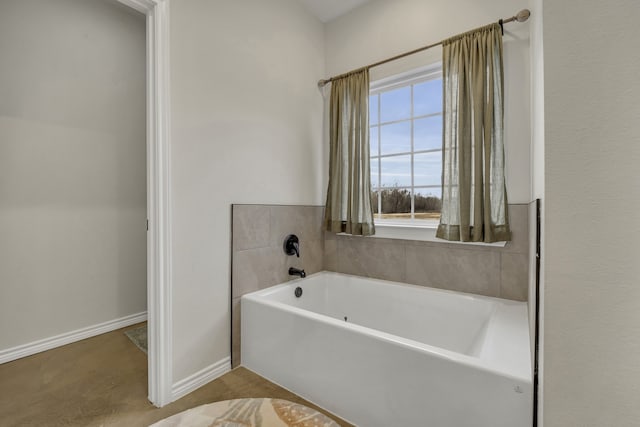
(398, 200)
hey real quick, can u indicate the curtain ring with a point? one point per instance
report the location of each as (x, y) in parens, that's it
(501, 26)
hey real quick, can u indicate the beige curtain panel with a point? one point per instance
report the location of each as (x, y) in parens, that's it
(348, 208)
(474, 196)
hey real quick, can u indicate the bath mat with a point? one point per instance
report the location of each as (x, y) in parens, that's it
(139, 337)
(249, 413)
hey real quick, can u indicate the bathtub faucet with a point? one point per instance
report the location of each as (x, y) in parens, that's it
(292, 245)
(297, 272)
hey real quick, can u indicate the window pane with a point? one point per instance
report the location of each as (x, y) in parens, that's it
(373, 140)
(427, 168)
(396, 203)
(430, 192)
(395, 104)
(374, 167)
(374, 201)
(427, 203)
(395, 138)
(396, 171)
(427, 97)
(427, 133)
(373, 109)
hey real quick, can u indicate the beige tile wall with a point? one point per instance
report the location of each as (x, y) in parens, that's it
(258, 259)
(485, 270)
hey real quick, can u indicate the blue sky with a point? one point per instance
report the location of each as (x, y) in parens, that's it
(395, 105)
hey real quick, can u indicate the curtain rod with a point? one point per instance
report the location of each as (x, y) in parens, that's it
(521, 16)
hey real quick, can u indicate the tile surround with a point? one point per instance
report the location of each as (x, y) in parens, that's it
(514, 282)
(251, 227)
(460, 270)
(368, 257)
(486, 270)
(258, 261)
(235, 332)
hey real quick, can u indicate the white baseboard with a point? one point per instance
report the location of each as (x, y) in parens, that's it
(28, 349)
(200, 378)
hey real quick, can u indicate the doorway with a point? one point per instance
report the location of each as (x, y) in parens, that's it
(60, 141)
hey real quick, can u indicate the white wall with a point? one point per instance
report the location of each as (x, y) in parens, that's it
(537, 99)
(381, 29)
(246, 128)
(592, 213)
(537, 187)
(72, 166)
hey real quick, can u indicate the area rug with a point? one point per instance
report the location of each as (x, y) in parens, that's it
(139, 337)
(249, 413)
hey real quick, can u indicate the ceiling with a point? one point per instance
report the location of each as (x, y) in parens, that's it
(326, 10)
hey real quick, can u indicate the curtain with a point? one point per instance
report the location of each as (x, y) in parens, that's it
(474, 196)
(348, 208)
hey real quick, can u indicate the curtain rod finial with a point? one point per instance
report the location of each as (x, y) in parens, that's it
(523, 15)
(321, 83)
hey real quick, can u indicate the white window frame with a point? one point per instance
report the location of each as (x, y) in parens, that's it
(423, 230)
(416, 76)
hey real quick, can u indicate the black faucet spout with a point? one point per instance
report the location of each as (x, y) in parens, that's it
(297, 272)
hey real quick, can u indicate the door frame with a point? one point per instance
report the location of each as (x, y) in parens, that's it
(158, 200)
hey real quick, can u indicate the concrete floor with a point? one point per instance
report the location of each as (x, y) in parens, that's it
(102, 381)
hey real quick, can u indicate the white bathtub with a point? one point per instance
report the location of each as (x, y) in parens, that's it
(405, 355)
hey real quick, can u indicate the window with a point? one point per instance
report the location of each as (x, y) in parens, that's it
(405, 118)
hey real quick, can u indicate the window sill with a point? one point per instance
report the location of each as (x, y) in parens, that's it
(425, 233)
